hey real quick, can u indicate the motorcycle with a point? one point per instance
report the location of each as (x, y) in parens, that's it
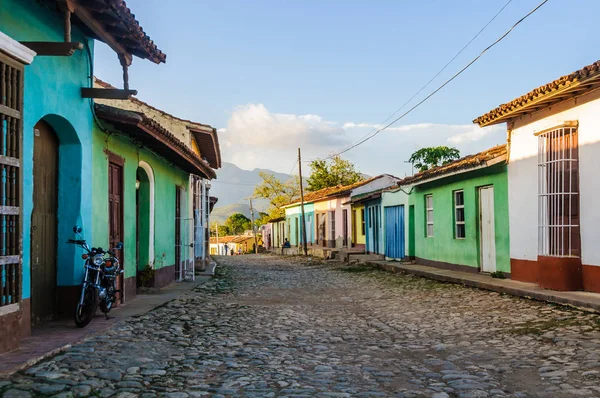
(102, 268)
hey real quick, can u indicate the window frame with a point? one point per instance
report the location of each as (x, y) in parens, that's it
(11, 209)
(427, 222)
(559, 234)
(458, 207)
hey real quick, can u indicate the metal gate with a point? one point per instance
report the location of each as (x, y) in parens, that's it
(394, 232)
(184, 248)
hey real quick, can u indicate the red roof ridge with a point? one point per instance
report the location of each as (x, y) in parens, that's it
(465, 162)
(536, 96)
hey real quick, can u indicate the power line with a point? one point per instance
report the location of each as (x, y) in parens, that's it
(373, 134)
(441, 70)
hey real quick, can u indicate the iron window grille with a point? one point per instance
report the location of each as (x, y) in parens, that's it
(558, 192)
(459, 215)
(429, 216)
(11, 108)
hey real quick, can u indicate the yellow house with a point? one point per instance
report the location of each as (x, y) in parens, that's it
(246, 243)
(358, 226)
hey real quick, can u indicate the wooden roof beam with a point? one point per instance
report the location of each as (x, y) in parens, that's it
(95, 26)
(57, 49)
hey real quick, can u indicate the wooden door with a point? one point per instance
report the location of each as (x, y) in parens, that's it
(487, 236)
(394, 232)
(115, 212)
(178, 234)
(44, 224)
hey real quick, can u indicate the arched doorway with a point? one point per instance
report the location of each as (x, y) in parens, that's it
(144, 216)
(44, 224)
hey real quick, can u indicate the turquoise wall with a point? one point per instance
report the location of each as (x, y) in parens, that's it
(295, 213)
(443, 246)
(166, 179)
(52, 93)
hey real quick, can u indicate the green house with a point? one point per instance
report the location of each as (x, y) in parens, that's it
(459, 214)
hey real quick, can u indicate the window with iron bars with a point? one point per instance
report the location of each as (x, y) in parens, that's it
(558, 192)
(11, 108)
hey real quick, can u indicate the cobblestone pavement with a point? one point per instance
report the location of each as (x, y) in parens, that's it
(274, 327)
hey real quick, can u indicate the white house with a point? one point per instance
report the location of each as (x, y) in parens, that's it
(553, 135)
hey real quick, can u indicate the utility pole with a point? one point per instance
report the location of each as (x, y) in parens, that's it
(412, 167)
(302, 204)
(253, 228)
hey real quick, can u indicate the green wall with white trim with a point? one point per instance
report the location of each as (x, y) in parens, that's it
(443, 246)
(166, 179)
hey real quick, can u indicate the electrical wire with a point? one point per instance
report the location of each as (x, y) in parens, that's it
(373, 134)
(441, 70)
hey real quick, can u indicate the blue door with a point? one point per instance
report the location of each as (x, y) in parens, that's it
(394, 232)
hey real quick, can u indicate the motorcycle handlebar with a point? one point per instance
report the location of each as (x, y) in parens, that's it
(76, 241)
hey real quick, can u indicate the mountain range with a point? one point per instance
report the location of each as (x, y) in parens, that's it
(234, 186)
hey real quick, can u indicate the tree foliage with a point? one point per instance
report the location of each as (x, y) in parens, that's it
(427, 158)
(330, 173)
(278, 193)
(237, 223)
(223, 229)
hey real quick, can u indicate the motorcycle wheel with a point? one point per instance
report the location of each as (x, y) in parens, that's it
(84, 312)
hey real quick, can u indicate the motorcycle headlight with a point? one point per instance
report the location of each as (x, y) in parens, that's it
(98, 260)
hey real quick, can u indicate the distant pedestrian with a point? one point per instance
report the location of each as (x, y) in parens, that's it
(226, 249)
(286, 244)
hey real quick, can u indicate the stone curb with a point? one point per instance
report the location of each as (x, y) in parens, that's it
(496, 286)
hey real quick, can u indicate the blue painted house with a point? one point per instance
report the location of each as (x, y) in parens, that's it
(293, 218)
(46, 101)
(368, 200)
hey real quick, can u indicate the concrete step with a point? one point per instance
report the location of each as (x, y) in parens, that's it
(364, 258)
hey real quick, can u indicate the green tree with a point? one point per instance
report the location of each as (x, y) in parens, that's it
(223, 229)
(278, 193)
(330, 173)
(237, 223)
(427, 158)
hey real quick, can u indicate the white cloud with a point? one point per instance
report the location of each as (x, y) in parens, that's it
(473, 133)
(256, 138)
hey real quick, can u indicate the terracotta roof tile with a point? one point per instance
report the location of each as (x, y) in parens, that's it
(123, 22)
(327, 193)
(195, 128)
(546, 95)
(467, 162)
(112, 114)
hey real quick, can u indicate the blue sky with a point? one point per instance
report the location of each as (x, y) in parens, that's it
(275, 75)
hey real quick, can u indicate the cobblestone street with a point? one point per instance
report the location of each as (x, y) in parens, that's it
(277, 327)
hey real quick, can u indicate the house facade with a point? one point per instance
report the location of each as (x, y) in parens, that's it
(293, 217)
(553, 135)
(278, 228)
(46, 53)
(63, 168)
(154, 186)
(461, 214)
(368, 213)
